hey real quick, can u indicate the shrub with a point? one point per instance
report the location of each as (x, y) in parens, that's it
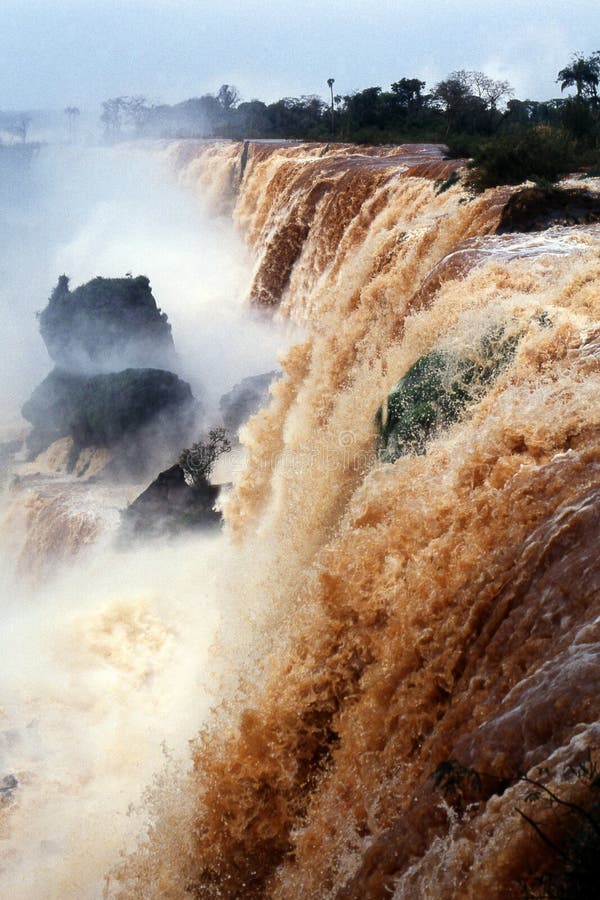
(441, 185)
(462, 146)
(539, 154)
(198, 460)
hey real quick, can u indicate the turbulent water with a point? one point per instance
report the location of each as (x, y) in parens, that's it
(381, 622)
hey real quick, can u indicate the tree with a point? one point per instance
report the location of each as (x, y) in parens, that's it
(296, 117)
(534, 112)
(197, 462)
(136, 111)
(119, 111)
(580, 118)
(111, 117)
(363, 107)
(584, 74)
(22, 127)
(454, 97)
(470, 100)
(228, 96)
(253, 118)
(330, 83)
(490, 90)
(408, 91)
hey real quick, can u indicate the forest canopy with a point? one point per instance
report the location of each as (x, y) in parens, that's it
(464, 105)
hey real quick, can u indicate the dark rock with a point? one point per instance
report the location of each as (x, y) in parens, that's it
(106, 325)
(125, 410)
(535, 209)
(171, 505)
(8, 786)
(245, 399)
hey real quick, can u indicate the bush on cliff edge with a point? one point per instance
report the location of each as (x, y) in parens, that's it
(541, 155)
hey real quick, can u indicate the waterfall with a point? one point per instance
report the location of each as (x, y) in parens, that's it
(408, 632)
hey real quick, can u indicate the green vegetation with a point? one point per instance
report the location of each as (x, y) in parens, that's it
(511, 140)
(435, 391)
(444, 184)
(540, 154)
(198, 460)
(101, 410)
(582, 73)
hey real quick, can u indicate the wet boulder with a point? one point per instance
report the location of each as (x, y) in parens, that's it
(244, 399)
(170, 505)
(8, 786)
(536, 209)
(131, 411)
(106, 325)
(435, 392)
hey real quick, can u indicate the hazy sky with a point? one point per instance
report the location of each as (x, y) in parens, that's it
(55, 53)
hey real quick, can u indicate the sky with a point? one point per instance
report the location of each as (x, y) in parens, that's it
(80, 52)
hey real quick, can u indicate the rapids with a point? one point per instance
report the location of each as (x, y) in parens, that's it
(399, 643)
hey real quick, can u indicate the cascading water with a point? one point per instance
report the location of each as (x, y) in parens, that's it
(394, 619)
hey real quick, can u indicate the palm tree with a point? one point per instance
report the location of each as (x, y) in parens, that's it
(330, 82)
(583, 74)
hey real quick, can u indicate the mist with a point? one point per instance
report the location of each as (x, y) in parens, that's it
(93, 706)
(97, 211)
(100, 638)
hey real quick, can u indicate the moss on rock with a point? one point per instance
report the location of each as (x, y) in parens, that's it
(435, 391)
(102, 410)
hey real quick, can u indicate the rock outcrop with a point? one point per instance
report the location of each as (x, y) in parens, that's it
(435, 392)
(125, 411)
(106, 325)
(171, 505)
(536, 209)
(112, 387)
(8, 786)
(244, 399)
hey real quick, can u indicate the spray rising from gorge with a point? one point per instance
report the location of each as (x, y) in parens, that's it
(98, 635)
(394, 610)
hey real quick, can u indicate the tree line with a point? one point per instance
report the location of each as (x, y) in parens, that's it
(464, 105)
